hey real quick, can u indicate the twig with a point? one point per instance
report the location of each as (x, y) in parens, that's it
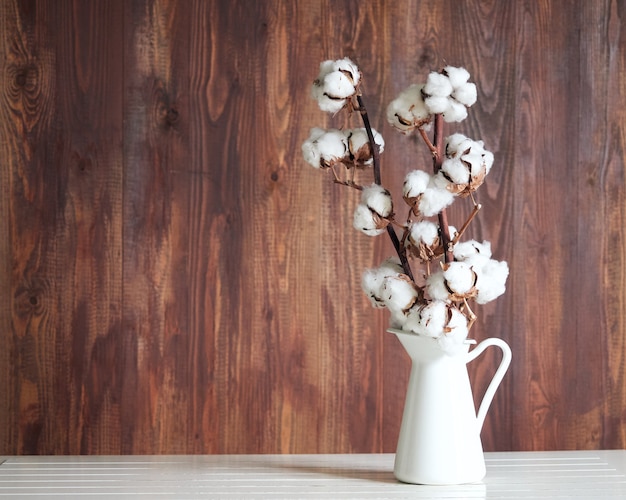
(430, 145)
(460, 232)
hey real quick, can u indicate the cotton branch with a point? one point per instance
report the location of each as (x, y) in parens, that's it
(377, 179)
(438, 154)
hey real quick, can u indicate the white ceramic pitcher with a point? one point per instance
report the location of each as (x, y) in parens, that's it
(439, 440)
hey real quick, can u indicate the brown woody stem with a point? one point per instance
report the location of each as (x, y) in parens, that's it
(377, 179)
(438, 154)
(460, 232)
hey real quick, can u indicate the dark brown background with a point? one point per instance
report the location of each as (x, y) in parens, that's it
(174, 278)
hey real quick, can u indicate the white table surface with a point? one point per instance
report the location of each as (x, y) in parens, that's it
(515, 475)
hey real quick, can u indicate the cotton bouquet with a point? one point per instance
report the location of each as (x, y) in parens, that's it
(435, 302)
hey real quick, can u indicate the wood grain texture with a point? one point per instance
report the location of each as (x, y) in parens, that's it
(176, 280)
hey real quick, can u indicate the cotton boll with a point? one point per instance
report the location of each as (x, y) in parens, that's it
(457, 143)
(360, 151)
(397, 320)
(377, 199)
(434, 317)
(337, 85)
(390, 266)
(434, 200)
(408, 111)
(324, 147)
(457, 76)
(491, 282)
(476, 163)
(471, 249)
(367, 221)
(411, 319)
(437, 84)
(459, 279)
(332, 147)
(325, 102)
(357, 139)
(455, 112)
(371, 283)
(372, 279)
(346, 66)
(465, 94)
(423, 232)
(455, 332)
(310, 149)
(399, 293)
(436, 287)
(437, 104)
(415, 183)
(423, 241)
(455, 171)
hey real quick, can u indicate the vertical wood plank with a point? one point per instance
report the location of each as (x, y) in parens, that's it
(163, 397)
(64, 116)
(601, 151)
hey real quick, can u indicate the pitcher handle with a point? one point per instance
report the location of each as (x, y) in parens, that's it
(497, 377)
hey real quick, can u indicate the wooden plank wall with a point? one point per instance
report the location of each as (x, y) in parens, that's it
(174, 278)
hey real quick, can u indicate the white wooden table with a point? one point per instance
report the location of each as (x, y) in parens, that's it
(517, 475)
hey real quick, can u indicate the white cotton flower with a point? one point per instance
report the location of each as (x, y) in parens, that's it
(357, 138)
(426, 232)
(433, 318)
(408, 111)
(465, 94)
(377, 199)
(466, 165)
(399, 293)
(390, 266)
(325, 102)
(455, 171)
(324, 147)
(438, 84)
(348, 67)
(457, 143)
(434, 200)
(335, 84)
(367, 221)
(455, 332)
(437, 104)
(359, 148)
(438, 320)
(459, 278)
(455, 112)
(463, 91)
(372, 280)
(471, 249)
(457, 76)
(491, 279)
(310, 149)
(422, 240)
(332, 146)
(436, 287)
(425, 193)
(415, 183)
(449, 93)
(338, 85)
(409, 321)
